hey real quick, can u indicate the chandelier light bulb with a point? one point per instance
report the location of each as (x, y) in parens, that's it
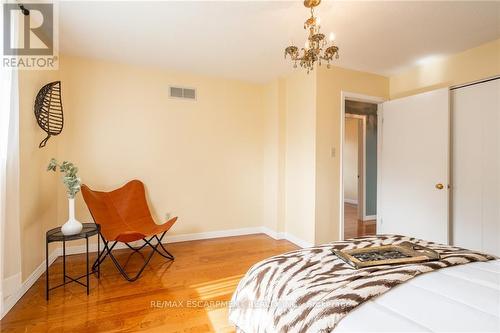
(318, 21)
(306, 44)
(332, 37)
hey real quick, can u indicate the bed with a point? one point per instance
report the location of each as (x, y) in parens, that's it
(297, 292)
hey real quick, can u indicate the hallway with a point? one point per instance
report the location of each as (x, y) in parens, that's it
(354, 227)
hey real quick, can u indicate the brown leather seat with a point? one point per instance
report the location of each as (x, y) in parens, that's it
(124, 216)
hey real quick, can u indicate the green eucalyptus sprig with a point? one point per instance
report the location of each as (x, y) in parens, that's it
(70, 179)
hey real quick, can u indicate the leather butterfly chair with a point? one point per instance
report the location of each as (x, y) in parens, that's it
(124, 216)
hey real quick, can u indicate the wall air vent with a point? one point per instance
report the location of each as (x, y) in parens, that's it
(184, 93)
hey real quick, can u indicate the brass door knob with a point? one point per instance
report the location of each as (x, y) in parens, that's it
(439, 186)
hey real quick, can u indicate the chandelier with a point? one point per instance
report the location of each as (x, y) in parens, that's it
(316, 47)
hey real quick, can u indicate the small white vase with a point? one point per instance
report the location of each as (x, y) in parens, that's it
(72, 226)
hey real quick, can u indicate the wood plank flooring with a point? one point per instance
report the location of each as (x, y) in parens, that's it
(205, 273)
(354, 227)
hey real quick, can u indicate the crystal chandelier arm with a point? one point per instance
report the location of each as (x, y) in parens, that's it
(292, 51)
(330, 52)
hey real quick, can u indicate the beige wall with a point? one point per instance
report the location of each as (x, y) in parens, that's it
(330, 84)
(37, 188)
(282, 144)
(271, 156)
(275, 155)
(300, 155)
(208, 162)
(11, 265)
(350, 161)
(471, 65)
(243, 155)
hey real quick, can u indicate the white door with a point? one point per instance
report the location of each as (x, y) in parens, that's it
(414, 166)
(476, 166)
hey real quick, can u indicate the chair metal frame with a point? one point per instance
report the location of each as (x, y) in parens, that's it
(148, 237)
(108, 248)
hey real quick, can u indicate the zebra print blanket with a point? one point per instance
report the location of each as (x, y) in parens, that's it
(311, 290)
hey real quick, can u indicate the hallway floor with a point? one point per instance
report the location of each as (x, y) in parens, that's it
(354, 227)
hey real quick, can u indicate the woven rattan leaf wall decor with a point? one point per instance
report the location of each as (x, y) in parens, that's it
(49, 110)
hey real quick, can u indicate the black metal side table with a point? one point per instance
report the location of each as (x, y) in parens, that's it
(55, 235)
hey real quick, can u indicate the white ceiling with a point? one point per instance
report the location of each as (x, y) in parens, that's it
(245, 40)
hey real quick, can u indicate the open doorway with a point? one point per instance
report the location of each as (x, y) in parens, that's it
(359, 165)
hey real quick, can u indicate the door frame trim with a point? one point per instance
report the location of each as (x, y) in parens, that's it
(361, 198)
(347, 95)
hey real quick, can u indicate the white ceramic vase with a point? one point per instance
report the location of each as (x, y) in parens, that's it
(72, 226)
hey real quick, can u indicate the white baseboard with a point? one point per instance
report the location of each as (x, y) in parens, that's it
(199, 236)
(288, 236)
(213, 234)
(369, 217)
(351, 201)
(177, 239)
(16, 295)
(296, 240)
(11, 300)
(11, 284)
(271, 233)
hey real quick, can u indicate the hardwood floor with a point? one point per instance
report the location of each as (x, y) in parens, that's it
(354, 227)
(187, 295)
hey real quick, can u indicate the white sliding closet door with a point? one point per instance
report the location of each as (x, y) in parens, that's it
(476, 167)
(414, 166)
